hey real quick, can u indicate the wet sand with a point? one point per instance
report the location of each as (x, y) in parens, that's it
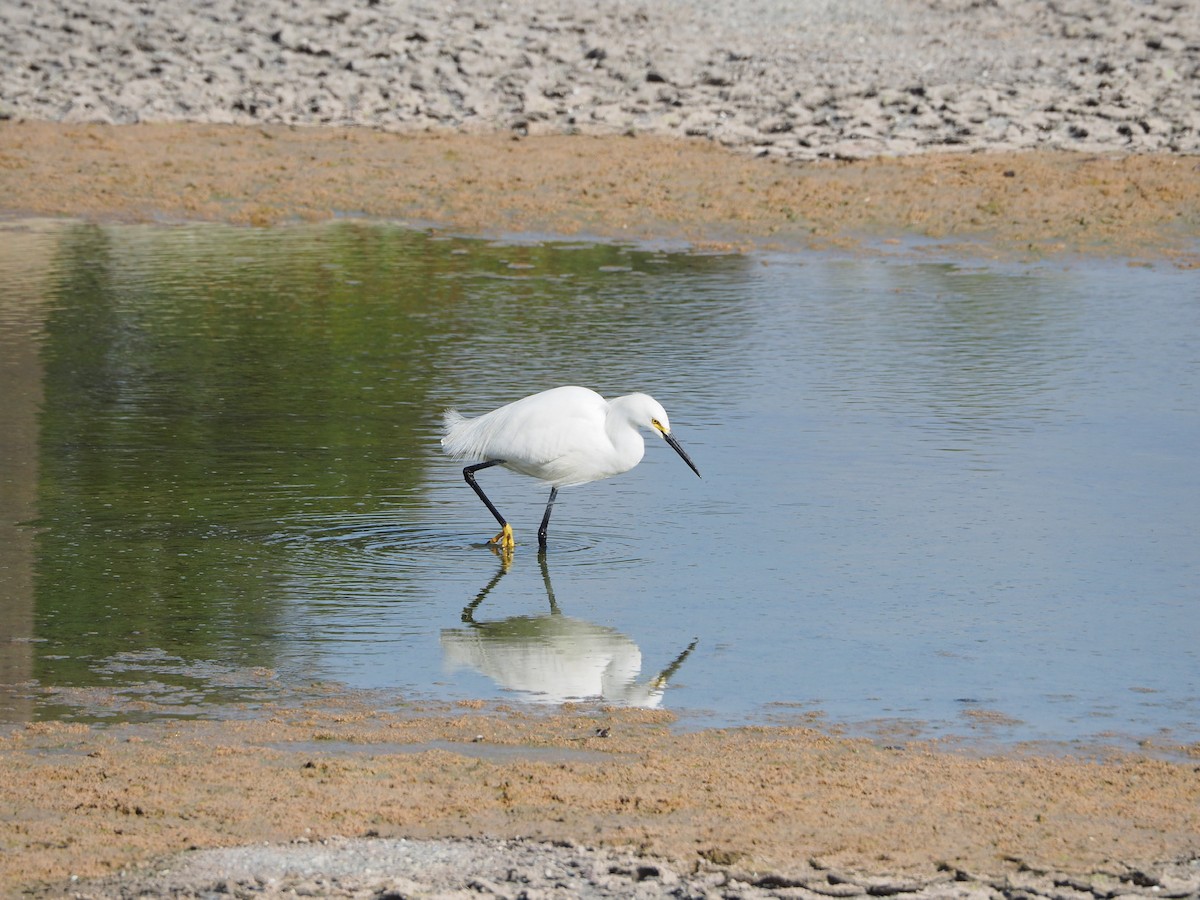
(791, 801)
(91, 802)
(1013, 204)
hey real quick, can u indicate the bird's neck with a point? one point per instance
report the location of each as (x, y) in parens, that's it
(623, 432)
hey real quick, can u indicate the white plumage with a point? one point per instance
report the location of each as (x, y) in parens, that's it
(564, 436)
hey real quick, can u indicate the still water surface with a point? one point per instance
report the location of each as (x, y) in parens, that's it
(961, 495)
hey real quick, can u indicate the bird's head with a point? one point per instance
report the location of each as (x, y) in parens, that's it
(647, 412)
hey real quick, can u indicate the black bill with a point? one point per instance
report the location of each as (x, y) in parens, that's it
(683, 453)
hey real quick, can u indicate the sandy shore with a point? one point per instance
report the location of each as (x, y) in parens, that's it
(792, 802)
(1012, 204)
(1010, 128)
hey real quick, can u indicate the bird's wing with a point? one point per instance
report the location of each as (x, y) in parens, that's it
(538, 436)
(558, 436)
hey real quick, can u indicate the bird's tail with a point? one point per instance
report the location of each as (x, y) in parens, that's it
(454, 441)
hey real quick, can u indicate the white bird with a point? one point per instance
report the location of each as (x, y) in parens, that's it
(564, 436)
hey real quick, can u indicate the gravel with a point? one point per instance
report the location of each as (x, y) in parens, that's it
(803, 79)
(396, 868)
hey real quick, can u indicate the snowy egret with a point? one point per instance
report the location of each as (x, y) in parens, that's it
(564, 436)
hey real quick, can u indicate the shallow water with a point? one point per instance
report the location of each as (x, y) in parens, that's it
(938, 497)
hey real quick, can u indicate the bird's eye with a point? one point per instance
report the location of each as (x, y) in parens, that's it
(657, 424)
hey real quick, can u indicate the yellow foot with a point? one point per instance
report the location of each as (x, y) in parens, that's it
(504, 540)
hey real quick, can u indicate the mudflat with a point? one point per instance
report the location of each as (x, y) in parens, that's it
(1019, 204)
(792, 802)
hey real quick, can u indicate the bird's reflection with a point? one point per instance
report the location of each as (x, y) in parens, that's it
(552, 657)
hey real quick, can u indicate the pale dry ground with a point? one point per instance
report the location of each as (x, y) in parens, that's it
(86, 801)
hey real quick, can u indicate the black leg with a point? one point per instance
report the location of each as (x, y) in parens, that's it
(546, 518)
(504, 538)
(469, 475)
